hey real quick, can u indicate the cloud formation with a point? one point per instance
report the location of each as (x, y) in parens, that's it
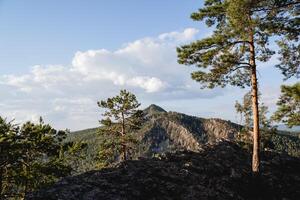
(66, 95)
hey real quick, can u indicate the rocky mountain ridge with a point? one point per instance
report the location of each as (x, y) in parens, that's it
(167, 130)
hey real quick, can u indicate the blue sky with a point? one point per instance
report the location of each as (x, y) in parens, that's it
(42, 32)
(58, 57)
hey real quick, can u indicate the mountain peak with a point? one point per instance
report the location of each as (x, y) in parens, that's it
(154, 109)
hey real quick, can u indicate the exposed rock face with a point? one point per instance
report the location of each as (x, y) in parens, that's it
(164, 135)
(218, 129)
(167, 131)
(216, 172)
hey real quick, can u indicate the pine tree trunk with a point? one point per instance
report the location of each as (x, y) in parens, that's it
(256, 139)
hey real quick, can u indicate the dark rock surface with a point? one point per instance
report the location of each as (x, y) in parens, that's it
(217, 172)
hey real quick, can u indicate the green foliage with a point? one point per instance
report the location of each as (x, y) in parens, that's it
(122, 117)
(88, 156)
(73, 154)
(273, 140)
(112, 147)
(245, 110)
(119, 108)
(290, 58)
(224, 57)
(8, 152)
(32, 156)
(285, 144)
(289, 105)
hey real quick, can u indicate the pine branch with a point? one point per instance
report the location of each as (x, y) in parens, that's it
(278, 7)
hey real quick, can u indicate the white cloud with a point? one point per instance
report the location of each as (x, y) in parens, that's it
(186, 35)
(150, 84)
(67, 95)
(17, 81)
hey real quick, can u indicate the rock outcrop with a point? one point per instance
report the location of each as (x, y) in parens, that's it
(166, 131)
(221, 171)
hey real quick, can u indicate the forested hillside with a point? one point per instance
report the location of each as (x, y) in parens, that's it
(163, 132)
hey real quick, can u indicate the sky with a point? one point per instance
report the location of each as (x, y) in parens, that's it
(58, 58)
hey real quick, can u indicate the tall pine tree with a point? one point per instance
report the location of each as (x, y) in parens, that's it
(242, 30)
(120, 118)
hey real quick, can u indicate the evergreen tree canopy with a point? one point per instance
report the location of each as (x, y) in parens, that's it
(120, 108)
(32, 156)
(224, 57)
(121, 118)
(289, 105)
(8, 156)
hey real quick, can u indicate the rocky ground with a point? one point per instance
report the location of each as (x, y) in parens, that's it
(221, 171)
